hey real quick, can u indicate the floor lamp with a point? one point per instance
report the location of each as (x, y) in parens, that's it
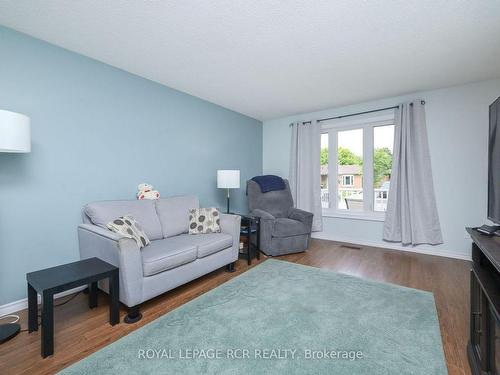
(15, 136)
(228, 179)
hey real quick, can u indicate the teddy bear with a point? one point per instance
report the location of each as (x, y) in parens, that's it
(145, 191)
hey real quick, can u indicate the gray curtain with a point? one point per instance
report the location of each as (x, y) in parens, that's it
(411, 216)
(305, 179)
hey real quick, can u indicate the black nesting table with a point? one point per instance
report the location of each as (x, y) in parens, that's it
(58, 279)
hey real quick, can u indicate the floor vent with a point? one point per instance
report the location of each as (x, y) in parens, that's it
(352, 247)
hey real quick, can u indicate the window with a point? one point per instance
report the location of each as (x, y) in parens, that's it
(348, 180)
(359, 185)
(350, 169)
(383, 143)
(324, 171)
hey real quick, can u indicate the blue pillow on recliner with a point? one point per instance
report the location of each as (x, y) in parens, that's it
(269, 183)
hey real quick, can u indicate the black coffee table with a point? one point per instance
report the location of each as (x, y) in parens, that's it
(58, 279)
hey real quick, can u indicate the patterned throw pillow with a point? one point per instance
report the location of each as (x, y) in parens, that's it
(129, 227)
(204, 220)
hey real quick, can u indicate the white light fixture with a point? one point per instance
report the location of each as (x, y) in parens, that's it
(15, 132)
(228, 179)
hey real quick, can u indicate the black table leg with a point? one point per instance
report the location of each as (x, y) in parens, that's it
(114, 299)
(258, 240)
(249, 243)
(32, 309)
(47, 324)
(93, 294)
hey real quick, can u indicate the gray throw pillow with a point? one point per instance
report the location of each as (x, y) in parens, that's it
(129, 227)
(204, 220)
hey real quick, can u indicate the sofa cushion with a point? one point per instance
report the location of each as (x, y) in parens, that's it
(174, 214)
(144, 211)
(211, 243)
(162, 255)
(284, 227)
(206, 243)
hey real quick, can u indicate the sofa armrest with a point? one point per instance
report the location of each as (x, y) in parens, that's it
(101, 231)
(120, 251)
(302, 216)
(231, 224)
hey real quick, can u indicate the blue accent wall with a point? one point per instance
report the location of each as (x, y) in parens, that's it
(97, 132)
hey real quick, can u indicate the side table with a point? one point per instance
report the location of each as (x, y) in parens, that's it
(54, 280)
(250, 225)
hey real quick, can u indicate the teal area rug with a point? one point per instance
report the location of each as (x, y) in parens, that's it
(285, 318)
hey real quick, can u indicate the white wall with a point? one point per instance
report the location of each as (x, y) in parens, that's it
(457, 124)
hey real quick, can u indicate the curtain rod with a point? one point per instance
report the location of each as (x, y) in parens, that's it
(358, 113)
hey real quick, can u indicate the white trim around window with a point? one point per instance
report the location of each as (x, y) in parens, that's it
(355, 215)
(349, 177)
(367, 123)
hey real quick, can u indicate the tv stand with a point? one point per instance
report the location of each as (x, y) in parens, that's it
(483, 348)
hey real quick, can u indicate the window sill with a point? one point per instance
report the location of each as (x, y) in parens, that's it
(367, 216)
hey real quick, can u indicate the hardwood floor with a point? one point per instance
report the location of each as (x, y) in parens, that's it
(80, 331)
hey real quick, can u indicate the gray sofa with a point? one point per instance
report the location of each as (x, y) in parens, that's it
(283, 228)
(173, 258)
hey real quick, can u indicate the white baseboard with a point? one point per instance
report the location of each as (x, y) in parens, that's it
(392, 246)
(22, 304)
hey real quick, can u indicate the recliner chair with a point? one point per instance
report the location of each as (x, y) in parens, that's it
(283, 228)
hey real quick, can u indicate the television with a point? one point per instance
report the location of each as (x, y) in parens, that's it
(494, 163)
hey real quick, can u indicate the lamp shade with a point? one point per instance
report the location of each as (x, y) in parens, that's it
(15, 132)
(228, 179)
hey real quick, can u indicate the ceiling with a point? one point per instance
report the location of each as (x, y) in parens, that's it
(273, 58)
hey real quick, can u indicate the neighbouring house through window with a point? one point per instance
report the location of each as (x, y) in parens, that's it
(361, 148)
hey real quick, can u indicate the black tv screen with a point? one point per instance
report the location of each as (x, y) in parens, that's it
(494, 163)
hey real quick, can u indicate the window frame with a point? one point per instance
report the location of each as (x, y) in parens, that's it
(351, 177)
(367, 123)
